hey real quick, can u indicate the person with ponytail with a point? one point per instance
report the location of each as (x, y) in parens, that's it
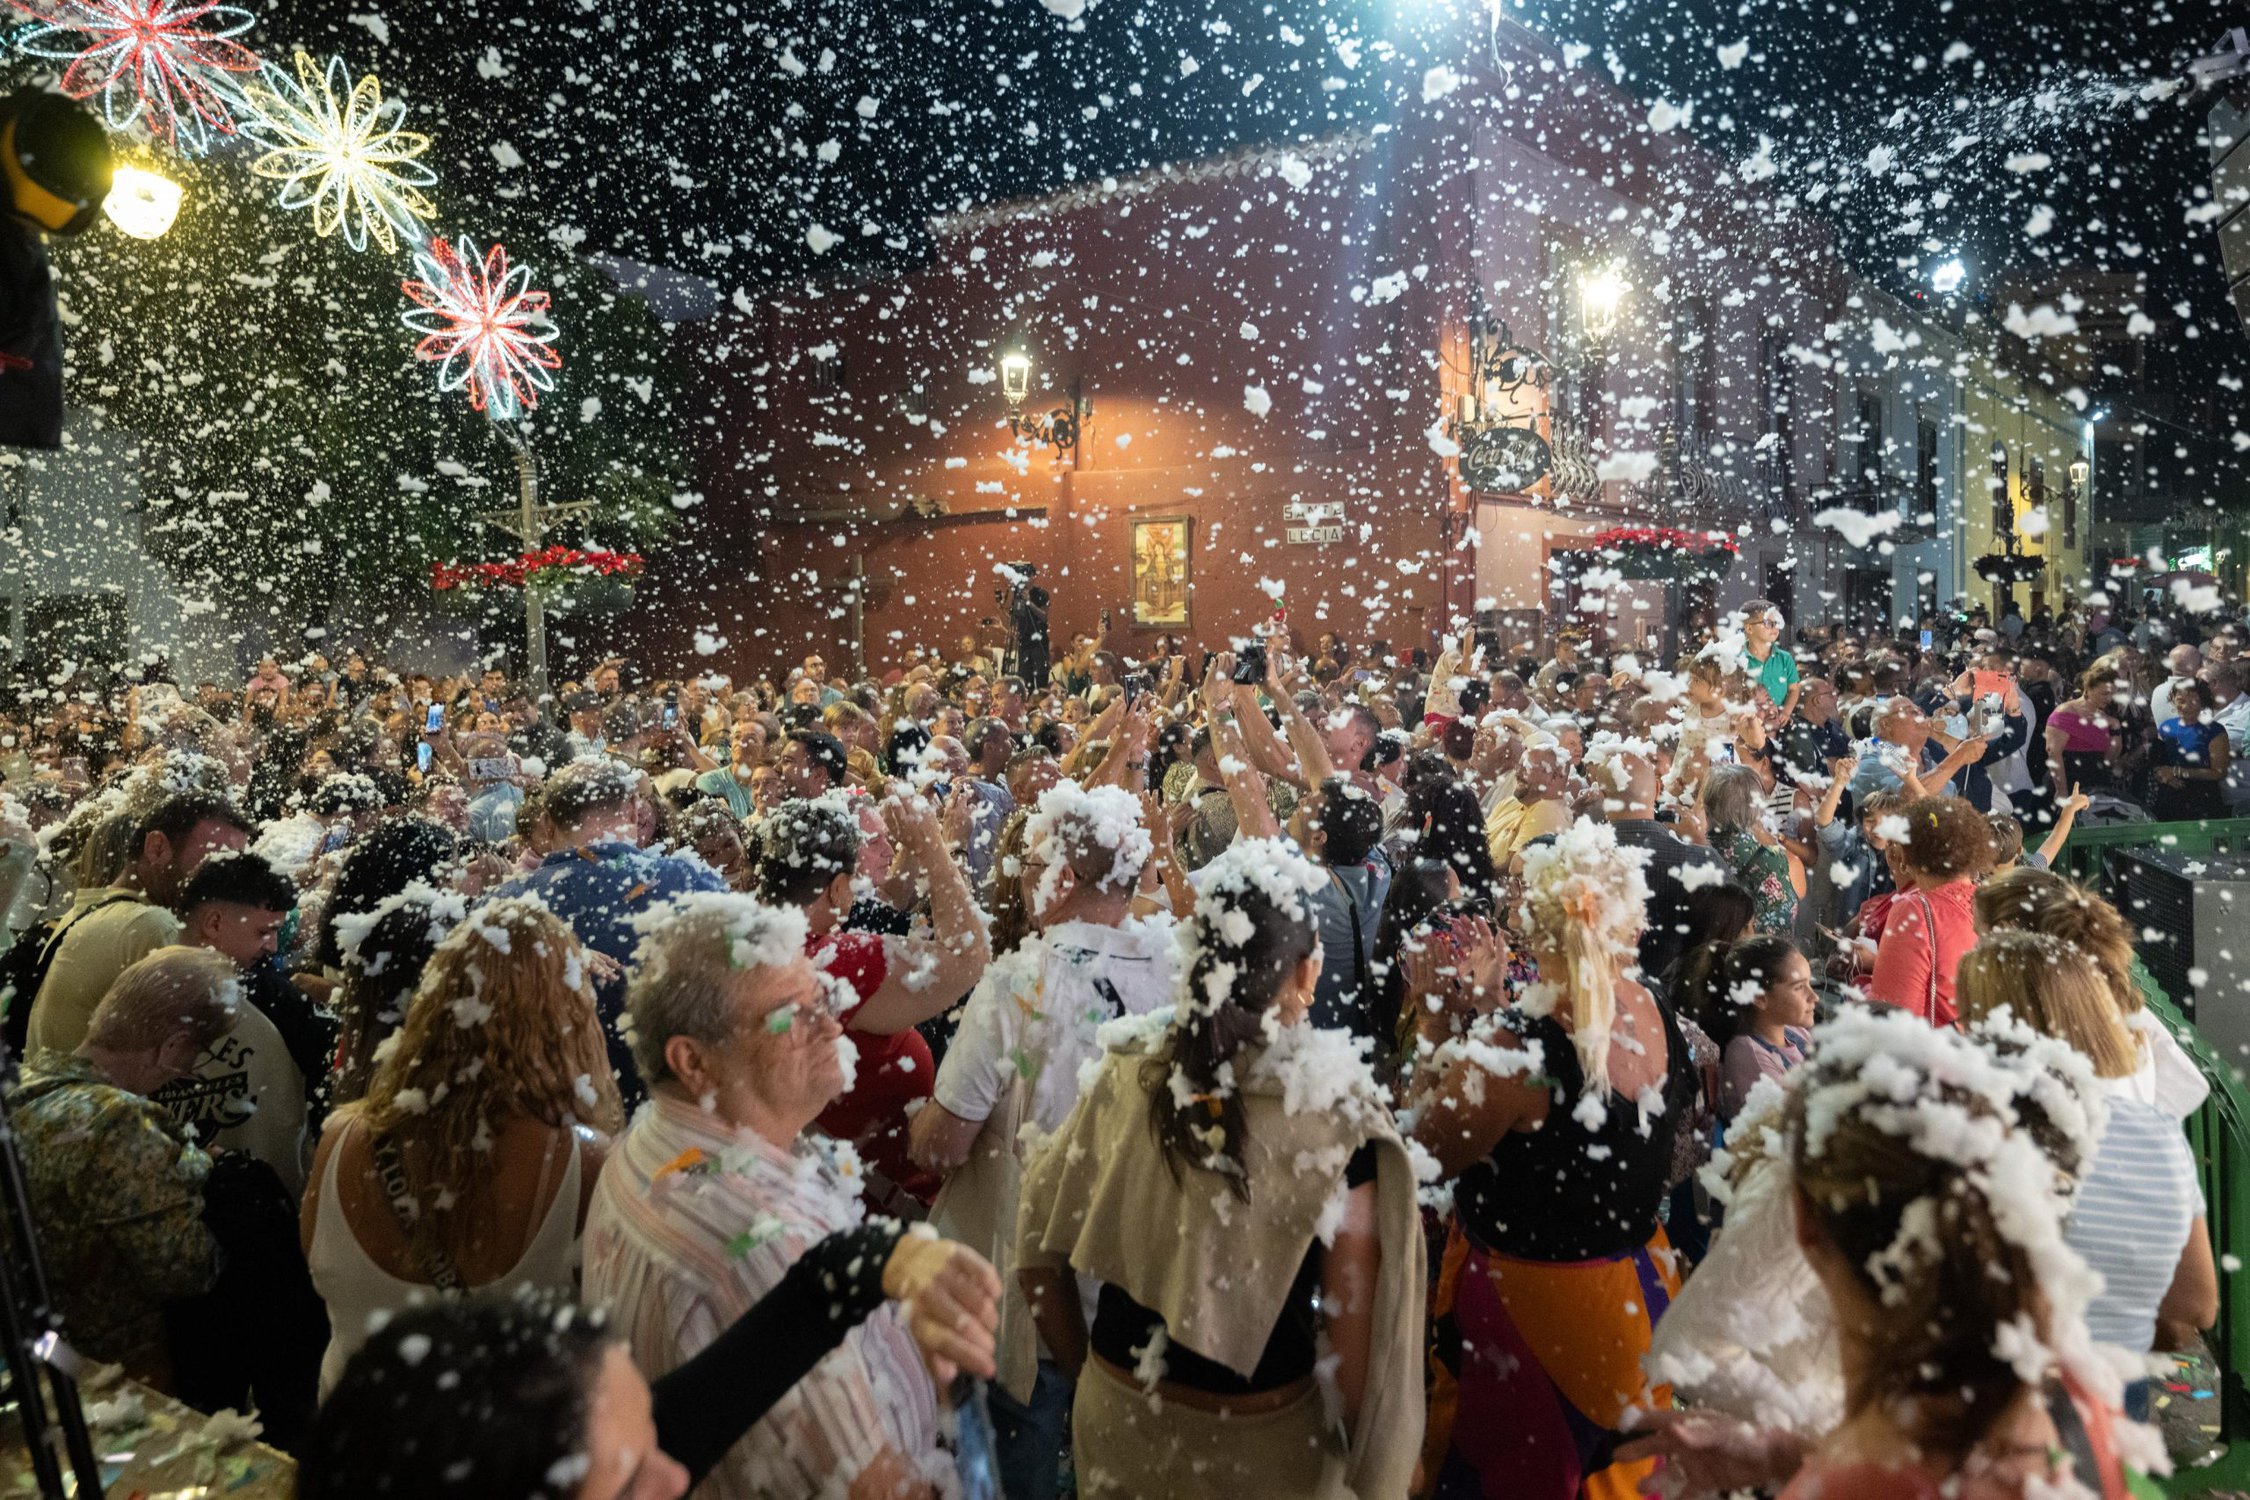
(1755, 999)
(1556, 1118)
(1233, 1193)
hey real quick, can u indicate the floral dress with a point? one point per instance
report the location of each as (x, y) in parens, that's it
(1763, 871)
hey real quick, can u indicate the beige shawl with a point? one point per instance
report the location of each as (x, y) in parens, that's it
(1099, 1198)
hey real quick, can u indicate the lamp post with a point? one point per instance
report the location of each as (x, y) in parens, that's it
(1601, 292)
(528, 524)
(2004, 567)
(1058, 428)
(142, 203)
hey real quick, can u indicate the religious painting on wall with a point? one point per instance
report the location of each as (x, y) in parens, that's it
(1160, 571)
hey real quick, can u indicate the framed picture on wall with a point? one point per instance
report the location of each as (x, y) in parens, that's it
(1161, 571)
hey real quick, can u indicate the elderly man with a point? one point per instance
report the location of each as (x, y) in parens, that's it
(717, 1189)
(1538, 807)
(116, 1188)
(1904, 754)
(2185, 662)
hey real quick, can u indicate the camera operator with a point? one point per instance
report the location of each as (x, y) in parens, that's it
(1027, 610)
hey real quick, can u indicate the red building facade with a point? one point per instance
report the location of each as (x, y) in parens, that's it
(1262, 356)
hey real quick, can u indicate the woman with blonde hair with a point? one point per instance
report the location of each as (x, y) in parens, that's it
(2138, 1214)
(1557, 1118)
(470, 1161)
(2040, 901)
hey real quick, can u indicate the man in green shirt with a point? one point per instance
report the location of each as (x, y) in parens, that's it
(1773, 668)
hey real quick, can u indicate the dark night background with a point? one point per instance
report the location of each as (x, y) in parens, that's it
(711, 137)
(688, 134)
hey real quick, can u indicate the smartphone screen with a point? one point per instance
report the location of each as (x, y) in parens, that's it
(671, 716)
(422, 757)
(1927, 639)
(434, 720)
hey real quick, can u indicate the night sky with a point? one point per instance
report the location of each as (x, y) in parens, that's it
(692, 134)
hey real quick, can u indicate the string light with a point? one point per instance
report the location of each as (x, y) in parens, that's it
(483, 326)
(167, 64)
(335, 147)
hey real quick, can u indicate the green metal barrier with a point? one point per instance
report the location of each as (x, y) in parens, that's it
(2219, 1133)
(2082, 856)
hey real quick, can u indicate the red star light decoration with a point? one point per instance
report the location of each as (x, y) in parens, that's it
(168, 65)
(483, 327)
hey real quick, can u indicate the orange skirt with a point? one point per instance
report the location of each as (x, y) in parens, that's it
(1536, 1366)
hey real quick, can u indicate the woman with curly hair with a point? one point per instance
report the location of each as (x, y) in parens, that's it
(470, 1161)
(1948, 844)
(1557, 1119)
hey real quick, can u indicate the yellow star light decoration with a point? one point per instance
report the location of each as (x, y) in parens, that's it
(335, 147)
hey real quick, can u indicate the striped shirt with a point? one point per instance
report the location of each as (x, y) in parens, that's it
(2132, 1216)
(692, 1222)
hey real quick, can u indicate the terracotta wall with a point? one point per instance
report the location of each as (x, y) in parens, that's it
(1325, 285)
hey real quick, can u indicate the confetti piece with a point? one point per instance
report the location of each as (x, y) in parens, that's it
(686, 1161)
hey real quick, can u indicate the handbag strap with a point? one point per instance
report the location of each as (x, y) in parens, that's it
(391, 1171)
(1929, 924)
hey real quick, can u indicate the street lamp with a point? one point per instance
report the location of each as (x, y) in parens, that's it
(1057, 428)
(1600, 291)
(1015, 376)
(141, 203)
(1946, 277)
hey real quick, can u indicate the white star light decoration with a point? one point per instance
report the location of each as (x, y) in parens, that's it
(167, 65)
(335, 147)
(483, 326)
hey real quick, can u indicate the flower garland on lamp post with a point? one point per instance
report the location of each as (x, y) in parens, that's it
(548, 568)
(489, 334)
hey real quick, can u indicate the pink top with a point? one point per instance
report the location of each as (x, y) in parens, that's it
(1818, 1480)
(1922, 945)
(2080, 733)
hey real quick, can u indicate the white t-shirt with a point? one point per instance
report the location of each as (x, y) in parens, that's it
(246, 1094)
(1035, 1014)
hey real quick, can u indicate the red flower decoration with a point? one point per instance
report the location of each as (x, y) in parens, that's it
(168, 63)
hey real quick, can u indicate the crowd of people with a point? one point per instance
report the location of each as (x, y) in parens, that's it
(1289, 1068)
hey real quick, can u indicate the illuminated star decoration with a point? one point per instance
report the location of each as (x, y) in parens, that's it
(335, 147)
(167, 64)
(483, 326)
